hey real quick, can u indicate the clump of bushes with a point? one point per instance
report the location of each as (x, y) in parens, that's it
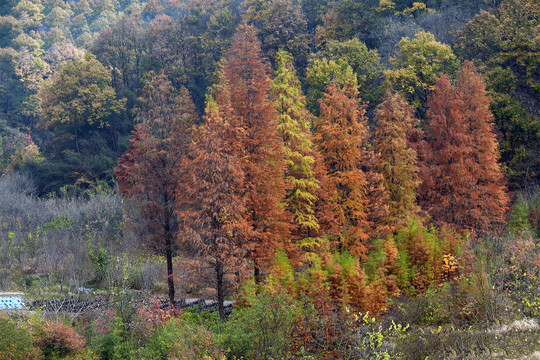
(57, 340)
(16, 342)
(40, 340)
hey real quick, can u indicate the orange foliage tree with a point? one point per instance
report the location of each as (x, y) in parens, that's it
(211, 202)
(462, 181)
(447, 172)
(492, 202)
(340, 131)
(148, 172)
(256, 141)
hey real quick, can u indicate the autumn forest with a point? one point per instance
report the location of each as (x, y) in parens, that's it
(270, 179)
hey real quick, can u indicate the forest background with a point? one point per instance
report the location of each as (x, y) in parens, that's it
(323, 158)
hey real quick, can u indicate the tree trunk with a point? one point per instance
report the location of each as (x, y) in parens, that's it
(170, 278)
(220, 289)
(257, 274)
(77, 136)
(168, 248)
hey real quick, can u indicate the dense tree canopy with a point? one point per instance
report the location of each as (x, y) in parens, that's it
(504, 42)
(357, 191)
(79, 110)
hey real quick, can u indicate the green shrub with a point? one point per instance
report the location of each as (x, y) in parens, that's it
(422, 254)
(264, 330)
(16, 342)
(179, 339)
(526, 213)
(115, 344)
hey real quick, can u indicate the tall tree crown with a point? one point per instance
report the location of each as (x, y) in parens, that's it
(340, 132)
(254, 119)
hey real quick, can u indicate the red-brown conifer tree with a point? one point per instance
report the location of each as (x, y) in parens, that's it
(258, 144)
(212, 203)
(447, 174)
(148, 172)
(462, 181)
(339, 135)
(491, 204)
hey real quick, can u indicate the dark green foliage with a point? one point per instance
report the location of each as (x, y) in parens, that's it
(519, 143)
(503, 41)
(122, 49)
(12, 92)
(6, 7)
(347, 19)
(281, 24)
(189, 47)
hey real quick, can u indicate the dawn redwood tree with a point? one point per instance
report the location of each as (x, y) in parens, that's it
(211, 201)
(492, 202)
(149, 171)
(295, 128)
(447, 174)
(396, 161)
(258, 144)
(462, 181)
(340, 132)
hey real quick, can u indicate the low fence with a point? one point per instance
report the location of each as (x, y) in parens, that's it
(78, 305)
